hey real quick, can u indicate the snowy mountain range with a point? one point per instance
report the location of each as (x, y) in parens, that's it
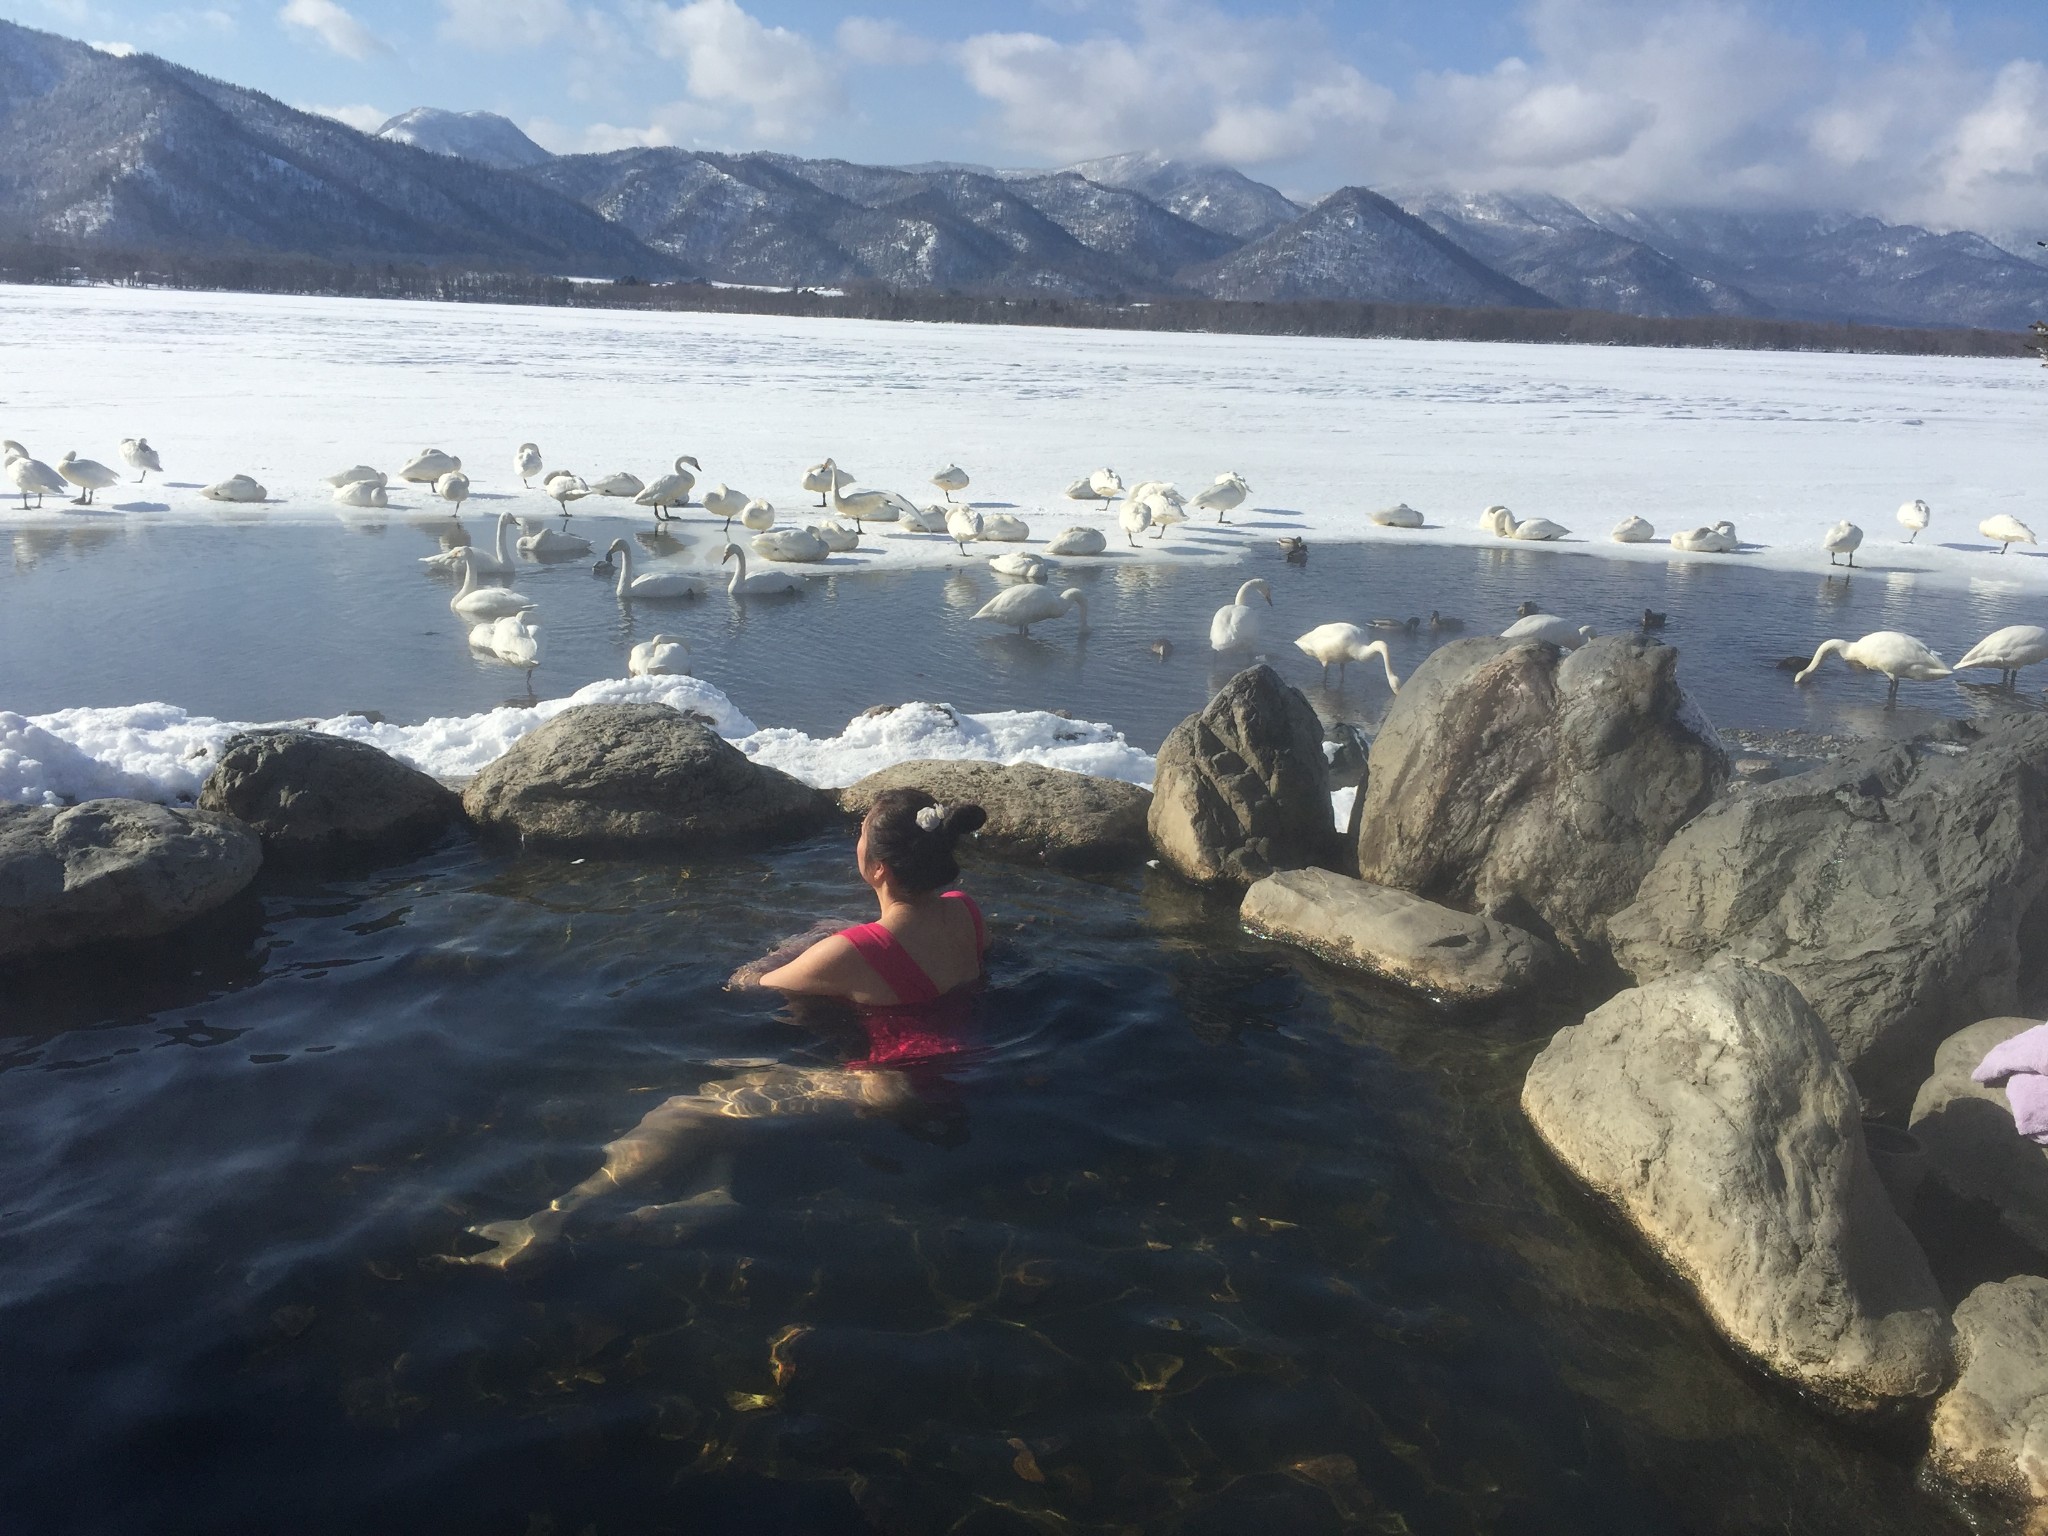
(132, 152)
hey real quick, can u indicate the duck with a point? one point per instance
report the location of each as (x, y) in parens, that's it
(824, 478)
(1294, 550)
(1633, 530)
(670, 490)
(544, 543)
(1235, 626)
(1540, 530)
(764, 584)
(1162, 648)
(1004, 528)
(1913, 516)
(89, 475)
(963, 526)
(656, 585)
(1899, 656)
(1842, 539)
(1404, 626)
(509, 638)
(950, 479)
(526, 463)
(838, 537)
(723, 501)
(1720, 539)
(1077, 541)
(363, 493)
(429, 465)
(2008, 649)
(138, 455)
(238, 488)
(1223, 497)
(619, 483)
(1652, 619)
(1548, 626)
(793, 546)
(1030, 604)
(453, 486)
(1134, 517)
(1343, 644)
(495, 561)
(1443, 623)
(32, 477)
(1400, 515)
(563, 488)
(1022, 564)
(476, 602)
(663, 656)
(2005, 530)
(757, 516)
(1526, 607)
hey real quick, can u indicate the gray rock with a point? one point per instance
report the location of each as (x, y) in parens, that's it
(1508, 767)
(1895, 888)
(626, 777)
(1242, 788)
(1398, 936)
(1066, 820)
(1990, 1433)
(1967, 1129)
(113, 869)
(308, 794)
(1711, 1108)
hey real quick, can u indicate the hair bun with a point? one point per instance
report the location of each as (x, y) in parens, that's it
(963, 819)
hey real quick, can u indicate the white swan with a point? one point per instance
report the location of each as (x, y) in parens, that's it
(1077, 541)
(824, 478)
(1399, 516)
(619, 483)
(480, 602)
(544, 543)
(1633, 530)
(1004, 528)
(1134, 517)
(894, 508)
(882, 506)
(1022, 564)
(2008, 649)
(453, 486)
(1027, 605)
(240, 488)
(1721, 539)
(1097, 485)
(763, 584)
(671, 490)
(722, 501)
(137, 454)
(1498, 521)
(32, 477)
(526, 463)
(1540, 530)
(1914, 516)
(663, 656)
(362, 493)
(1344, 644)
(89, 475)
(758, 515)
(1223, 497)
(1842, 539)
(509, 638)
(564, 488)
(1548, 626)
(2005, 530)
(931, 519)
(656, 585)
(429, 465)
(950, 479)
(495, 561)
(1235, 626)
(358, 474)
(837, 536)
(963, 526)
(791, 546)
(1898, 656)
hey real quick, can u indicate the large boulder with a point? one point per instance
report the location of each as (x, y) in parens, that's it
(1242, 787)
(1990, 1433)
(113, 869)
(1070, 821)
(1396, 935)
(1509, 768)
(1972, 1146)
(619, 778)
(1712, 1110)
(308, 794)
(1900, 889)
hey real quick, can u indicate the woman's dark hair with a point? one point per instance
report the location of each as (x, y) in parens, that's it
(919, 857)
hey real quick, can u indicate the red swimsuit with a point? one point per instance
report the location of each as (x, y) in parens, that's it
(923, 1022)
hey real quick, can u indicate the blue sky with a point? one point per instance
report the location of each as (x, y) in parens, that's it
(1935, 113)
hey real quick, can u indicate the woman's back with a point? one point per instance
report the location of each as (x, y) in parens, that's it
(919, 954)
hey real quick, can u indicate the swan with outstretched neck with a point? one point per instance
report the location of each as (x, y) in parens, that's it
(1022, 607)
(1899, 656)
(1344, 644)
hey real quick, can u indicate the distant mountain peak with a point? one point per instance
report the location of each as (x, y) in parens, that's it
(484, 137)
(1213, 196)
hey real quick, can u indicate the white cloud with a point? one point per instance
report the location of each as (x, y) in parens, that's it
(335, 26)
(772, 83)
(868, 40)
(593, 138)
(117, 50)
(502, 25)
(361, 116)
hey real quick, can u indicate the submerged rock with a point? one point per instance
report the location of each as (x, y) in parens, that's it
(625, 777)
(1972, 1146)
(113, 869)
(307, 794)
(1712, 1109)
(1242, 788)
(1898, 888)
(1512, 768)
(1066, 820)
(1398, 936)
(1990, 1433)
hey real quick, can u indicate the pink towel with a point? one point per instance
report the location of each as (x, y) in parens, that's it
(2027, 1092)
(2020, 1065)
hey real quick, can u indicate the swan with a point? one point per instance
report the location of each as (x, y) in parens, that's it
(930, 519)
(89, 475)
(453, 486)
(2008, 649)
(1540, 530)
(1028, 605)
(1399, 516)
(1224, 496)
(1842, 539)
(1498, 521)
(1077, 541)
(2006, 530)
(565, 488)
(478, 602)
(795, 546)
(963, 526)
(236, 488)
(1163, 505)
(429, 465)
(882, 506)
(1134, 517)
(543, 543)
(1717, 540)
(362, 493)
(32, 477)
(950, 479)
(1344, 644)
(1096, 485)
(1548, 626)
(663, 656)
(1633, 530)
(1235, 626)
(1022, 564)
(837, 536)
(619, 483)
(1898, 656)
(671, 490)
(894, 509)
(137, 454)
(495, 561)
(824, 478)
(1004, 528)
(764, 584)
(724, 502)
(757, 516)
(655, 584)
(358, 474)
(1914, 516)
(509, 638)
(526, 463)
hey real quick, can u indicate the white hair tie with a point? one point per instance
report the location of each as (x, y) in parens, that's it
(932, 817)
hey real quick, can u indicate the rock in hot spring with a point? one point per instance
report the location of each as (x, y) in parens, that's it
(1966, 1129)
(306, 794)
(1066, 820)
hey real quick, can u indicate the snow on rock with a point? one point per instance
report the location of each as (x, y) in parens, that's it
(874, 741)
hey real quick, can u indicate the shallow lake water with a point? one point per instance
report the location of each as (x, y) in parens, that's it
(1203, 1237)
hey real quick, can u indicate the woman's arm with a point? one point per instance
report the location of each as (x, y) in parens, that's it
(751, 974)
(826, 969)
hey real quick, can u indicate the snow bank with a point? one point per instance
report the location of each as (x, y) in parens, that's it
(874, 741)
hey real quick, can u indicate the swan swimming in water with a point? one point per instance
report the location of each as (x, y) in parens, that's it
(542, 543)
(1022, 607)
(1900, 657)
(1548, 626)
(509, 638)
(762, 584)
(654, 584)
(2008, 649)
(480, 602)
(89, 475)
(1344, 644)
(1914, 516)
(495, 561)
(950, 479)
(2005, 530)
(1022, 564)
(137, 454)
(526, 463)
(1235, 626)
(663, 656)
(671, 490)
(1842, 539)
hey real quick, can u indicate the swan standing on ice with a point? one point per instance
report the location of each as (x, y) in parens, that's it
(2008, 649)
(1548, 626)
(963, 526)
(453, 486)
(2006, 530)
(763, 584)
(237, 488)
(526, 463)
(89, 475)
(1842, 539)
(429, 465)
(671, 490)
(478, 602)
(564, 488)
(32, 477)
(1028, 605)
(950, 479)
(509, 638)
(1098, 485)
(1633, 530)
(1235, 626)
(1344, 644)
(655, 584)
(619, 483)
(1399, 516)
(495, 561)
(1225, 496)
(757, 516)
(824, 478)
(792, 546)
(1134, 517)
(137, 454)
(543, 543)
(1077, 541)
(1498, 521)
(1898, 656)
(663, 656)
(882, 506)
(1914, 516)
(722, 501)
